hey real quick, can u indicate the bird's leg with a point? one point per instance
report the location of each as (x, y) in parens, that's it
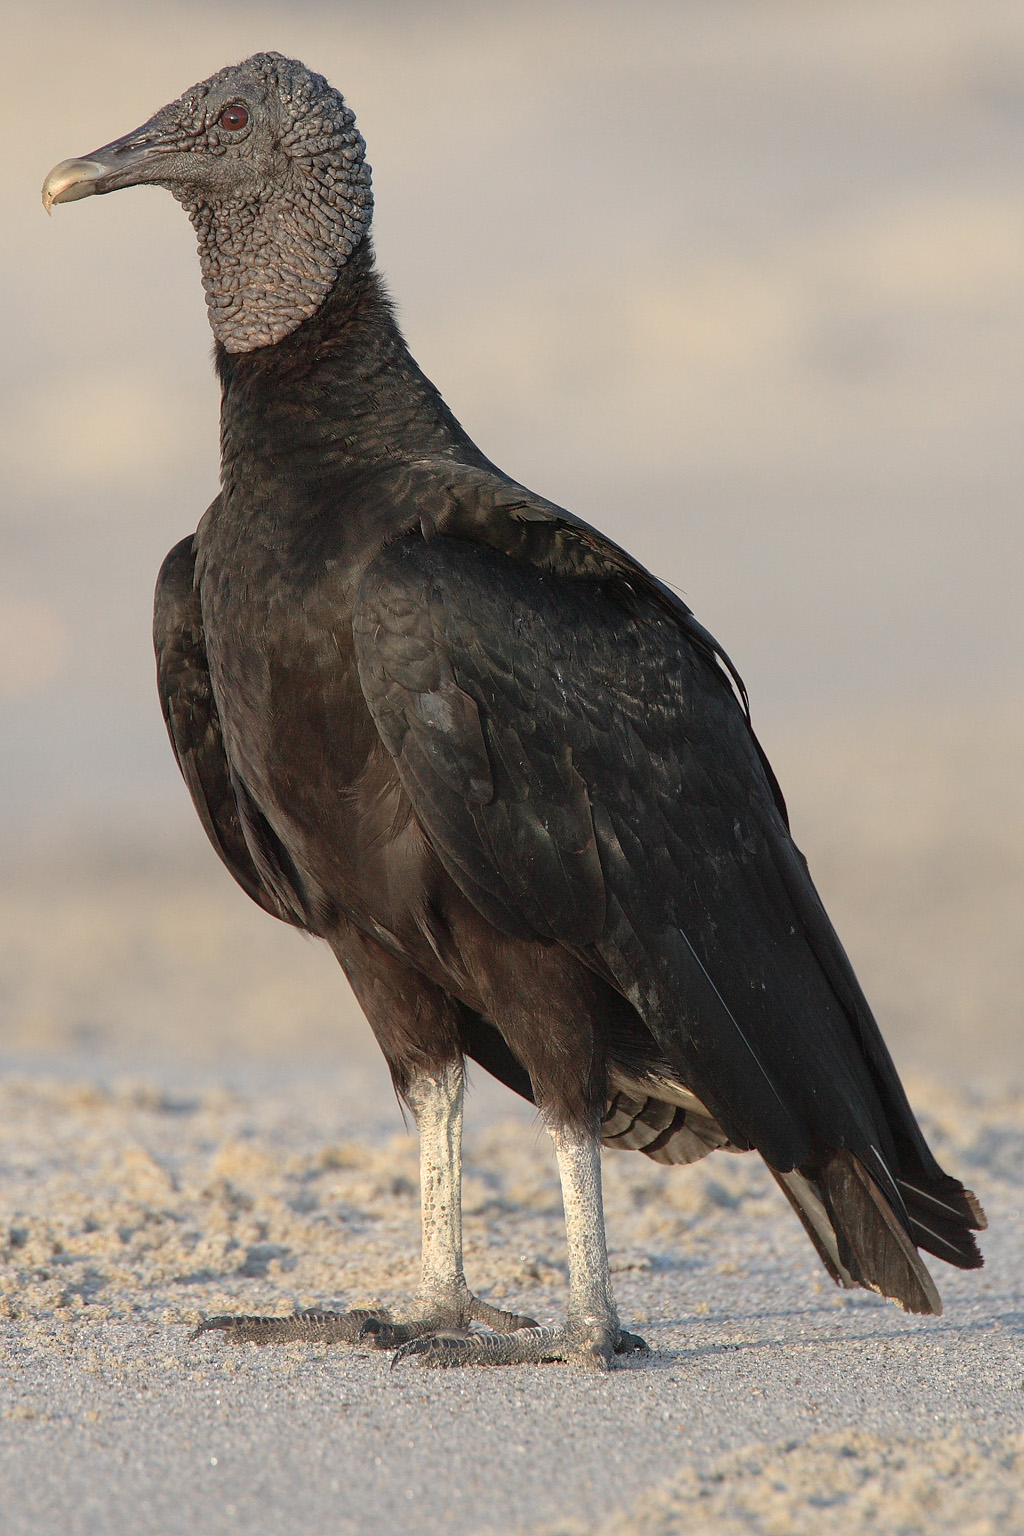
(444, 1300)
(591, 1335)
(592, 1314)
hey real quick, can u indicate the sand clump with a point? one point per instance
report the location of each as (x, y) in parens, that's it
(841, 1483)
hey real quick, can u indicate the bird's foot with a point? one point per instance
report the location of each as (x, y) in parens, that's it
(449, 1313)
(591, 1345)
(453, 1312)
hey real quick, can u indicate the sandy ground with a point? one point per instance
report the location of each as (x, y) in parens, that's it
(771, 1402)
(193, 1118)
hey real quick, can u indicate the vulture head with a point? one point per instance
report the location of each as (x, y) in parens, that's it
(267, 160)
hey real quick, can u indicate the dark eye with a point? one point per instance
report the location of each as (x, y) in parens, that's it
(233, 118)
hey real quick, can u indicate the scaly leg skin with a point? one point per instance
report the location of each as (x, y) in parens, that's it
(444, 1301)
(591, 1336)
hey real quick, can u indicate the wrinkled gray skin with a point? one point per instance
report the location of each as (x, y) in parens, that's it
(278, 205)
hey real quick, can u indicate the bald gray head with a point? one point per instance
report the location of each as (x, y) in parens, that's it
(267, 160)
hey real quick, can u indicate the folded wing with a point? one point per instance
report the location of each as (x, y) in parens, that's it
(580, 760)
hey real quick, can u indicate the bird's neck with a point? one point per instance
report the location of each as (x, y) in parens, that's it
(338, 398)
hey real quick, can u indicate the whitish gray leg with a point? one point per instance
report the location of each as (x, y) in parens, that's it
(591, 1303)
(444, 1300)
(591, 1335)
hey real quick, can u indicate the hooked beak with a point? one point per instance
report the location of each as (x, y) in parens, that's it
(72, 179)
(120, 164)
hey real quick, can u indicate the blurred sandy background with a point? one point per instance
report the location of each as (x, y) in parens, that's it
(741, 282)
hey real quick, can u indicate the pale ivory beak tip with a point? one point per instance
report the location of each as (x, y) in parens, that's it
(71, 180)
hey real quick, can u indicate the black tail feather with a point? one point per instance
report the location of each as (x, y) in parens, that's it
(805, 1196)
(943, 1221)
(873, 1243)
(863, 1238)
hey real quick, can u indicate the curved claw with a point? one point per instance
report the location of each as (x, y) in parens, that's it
(632, 1344)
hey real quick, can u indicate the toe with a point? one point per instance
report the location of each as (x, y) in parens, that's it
(303, 1327)
(442, 1351)
(497, 1319)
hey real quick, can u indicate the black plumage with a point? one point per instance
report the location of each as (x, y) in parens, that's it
(456, 732)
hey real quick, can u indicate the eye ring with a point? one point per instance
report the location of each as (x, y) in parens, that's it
(234, 118)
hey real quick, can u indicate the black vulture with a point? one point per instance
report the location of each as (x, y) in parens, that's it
(439, 722)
